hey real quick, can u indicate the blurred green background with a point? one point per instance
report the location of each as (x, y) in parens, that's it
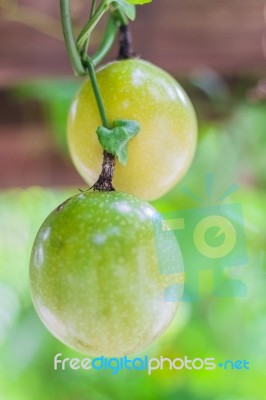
(36, 175)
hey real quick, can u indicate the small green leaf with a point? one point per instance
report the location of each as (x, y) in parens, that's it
(138, 1)
(115, 140)
(132, 127)
(127, 7)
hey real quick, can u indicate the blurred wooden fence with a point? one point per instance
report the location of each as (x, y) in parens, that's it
(179, 35)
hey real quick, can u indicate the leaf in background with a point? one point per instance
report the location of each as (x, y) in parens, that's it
(54, 96)
(115, 140)
(127, 7)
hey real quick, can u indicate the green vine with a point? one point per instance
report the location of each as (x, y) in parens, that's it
(70, 41)
(91, 70)
(120, 131)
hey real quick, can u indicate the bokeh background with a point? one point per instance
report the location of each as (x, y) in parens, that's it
(216, 49)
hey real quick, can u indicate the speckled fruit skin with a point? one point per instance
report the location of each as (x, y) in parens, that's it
(162, 151)
(95, 278)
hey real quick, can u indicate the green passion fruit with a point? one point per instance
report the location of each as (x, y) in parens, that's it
(161, 153)
(96, 273)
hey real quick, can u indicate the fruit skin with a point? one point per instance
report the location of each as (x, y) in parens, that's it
(162, 151)
(94, 274)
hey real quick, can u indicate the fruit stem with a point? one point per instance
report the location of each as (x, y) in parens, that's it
(104, 182)
(125, 40)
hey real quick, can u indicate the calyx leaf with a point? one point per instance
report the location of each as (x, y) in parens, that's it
(115, 140)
